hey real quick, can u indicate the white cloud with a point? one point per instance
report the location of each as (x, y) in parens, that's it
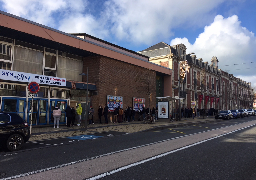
(43, 12)
(145, 22)
(231, 43)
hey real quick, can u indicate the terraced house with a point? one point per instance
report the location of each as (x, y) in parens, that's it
(204, 85)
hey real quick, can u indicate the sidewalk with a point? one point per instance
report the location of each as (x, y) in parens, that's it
(48, 132)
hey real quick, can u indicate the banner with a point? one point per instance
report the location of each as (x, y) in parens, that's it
(212, 99)
(200, 98)
(27, 77)
(114, 102)
(163, 110)
(206, 99)
(138, 103)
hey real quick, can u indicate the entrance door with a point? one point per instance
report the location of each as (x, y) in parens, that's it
(35, 113)
(43, 106)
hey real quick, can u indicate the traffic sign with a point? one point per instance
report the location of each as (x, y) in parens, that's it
(33, 87)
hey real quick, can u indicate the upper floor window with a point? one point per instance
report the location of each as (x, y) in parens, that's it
(5, 51)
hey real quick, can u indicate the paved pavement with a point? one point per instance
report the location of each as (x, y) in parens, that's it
(48, 132)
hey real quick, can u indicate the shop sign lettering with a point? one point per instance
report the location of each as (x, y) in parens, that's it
(27, 77)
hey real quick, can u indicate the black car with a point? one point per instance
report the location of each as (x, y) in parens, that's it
(224, 115)
(14, 131)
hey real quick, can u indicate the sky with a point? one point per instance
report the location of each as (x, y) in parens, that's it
(222, 28)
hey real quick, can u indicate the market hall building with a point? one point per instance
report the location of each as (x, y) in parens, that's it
(58, 62)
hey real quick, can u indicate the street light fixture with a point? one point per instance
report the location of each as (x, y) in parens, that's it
(86, 110)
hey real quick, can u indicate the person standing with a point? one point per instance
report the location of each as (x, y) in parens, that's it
(73, 111)
(69, 115)
(91, 112)
(106, 113)
(120, 114)
(56, 115)
(100, 111)
(79, 111)
(154, 113)
(116, 111)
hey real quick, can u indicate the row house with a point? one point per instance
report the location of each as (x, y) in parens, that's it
(204, 84)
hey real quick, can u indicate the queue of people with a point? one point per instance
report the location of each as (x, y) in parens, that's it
(106, 116)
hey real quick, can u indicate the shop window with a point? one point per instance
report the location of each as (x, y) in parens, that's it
(10, 105)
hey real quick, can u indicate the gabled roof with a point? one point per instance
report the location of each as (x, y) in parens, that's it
(158, 46)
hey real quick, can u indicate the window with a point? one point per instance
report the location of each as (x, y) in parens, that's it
(50, 61)
(4, 118)
(5, 51)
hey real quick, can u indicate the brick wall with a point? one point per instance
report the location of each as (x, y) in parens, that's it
(118, 78)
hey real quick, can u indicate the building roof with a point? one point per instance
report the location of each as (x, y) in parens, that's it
(158, 46)
(22, 29)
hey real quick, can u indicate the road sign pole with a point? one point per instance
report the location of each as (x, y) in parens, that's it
(31, 118)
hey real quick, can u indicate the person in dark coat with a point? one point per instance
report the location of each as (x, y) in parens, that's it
(69, 115)
(106, 114)
(100, 111)
(73, 111)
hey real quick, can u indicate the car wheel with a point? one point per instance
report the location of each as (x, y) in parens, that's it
(14, 142)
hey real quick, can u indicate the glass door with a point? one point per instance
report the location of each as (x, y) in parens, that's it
(43, 106)
(35, 114)
(21, 107)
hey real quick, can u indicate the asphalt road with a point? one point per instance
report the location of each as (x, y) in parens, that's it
(226, 157)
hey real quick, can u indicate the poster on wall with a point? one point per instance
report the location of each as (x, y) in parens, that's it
(138, 103)
(163, 110)
(114, 102)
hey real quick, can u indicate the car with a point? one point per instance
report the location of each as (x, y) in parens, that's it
(251, 112)
(236, 113)
(14, 131)
(246, 112)
(226, 114)
(243, 113)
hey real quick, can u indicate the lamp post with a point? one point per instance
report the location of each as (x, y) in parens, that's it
(86, 110)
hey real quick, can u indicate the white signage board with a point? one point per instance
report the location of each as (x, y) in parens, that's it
(28, 77)
(163, 110)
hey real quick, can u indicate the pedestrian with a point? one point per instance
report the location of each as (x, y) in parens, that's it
(69, 115)
(79, 111)
(73, 112)
(128, 111)
(91, 112)
(100, 111)
(143, 113)
(116, 111)
(133, 115)
(106, 113)
(120, 115)
(153, 113)
(56, 115)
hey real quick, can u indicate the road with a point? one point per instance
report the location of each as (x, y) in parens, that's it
(220, 150)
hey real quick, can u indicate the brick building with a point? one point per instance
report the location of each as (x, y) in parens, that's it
(29, 49)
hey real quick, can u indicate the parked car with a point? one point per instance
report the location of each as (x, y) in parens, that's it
(224, 115)
(14, 131)
(246, 112)
(251, 112)
(243, 113)
(236, 113)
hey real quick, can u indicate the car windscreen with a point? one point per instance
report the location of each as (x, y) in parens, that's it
(4, 118)
(240, 110)
(233, 110)
(223, 111)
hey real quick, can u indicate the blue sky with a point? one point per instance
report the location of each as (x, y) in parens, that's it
(222, 28)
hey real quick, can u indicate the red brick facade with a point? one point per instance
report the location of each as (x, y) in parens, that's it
(118, 78)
